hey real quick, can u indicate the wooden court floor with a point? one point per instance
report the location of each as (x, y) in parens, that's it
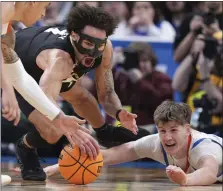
(111, 179)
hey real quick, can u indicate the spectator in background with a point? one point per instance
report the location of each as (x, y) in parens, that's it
(174, 12)
(199, 78)
(120, 12)
(142, 88)
(146, 20)
(198, 6)
(192, 26)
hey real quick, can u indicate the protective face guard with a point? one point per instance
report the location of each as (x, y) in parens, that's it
(90, 52)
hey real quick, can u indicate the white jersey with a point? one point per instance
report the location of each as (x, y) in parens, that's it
(202, 144)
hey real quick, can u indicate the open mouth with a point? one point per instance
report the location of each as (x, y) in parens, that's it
(88, 61)
(170, 145)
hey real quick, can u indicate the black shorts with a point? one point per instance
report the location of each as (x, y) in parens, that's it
(25, 107)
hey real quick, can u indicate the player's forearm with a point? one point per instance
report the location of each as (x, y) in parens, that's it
(4, 82)
(184, 47)
(29, 89)
(22, 81)
(111, 103)
(203, 176)
(119, 154)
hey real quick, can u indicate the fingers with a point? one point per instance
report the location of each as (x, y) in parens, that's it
(96, 145)
(90, 144)
(79, 142)
(83, 150)
(5, 109)
(172, 169)
(128, 114)
(93, 149)
(134, 131)
(16, 122)
(51, 170)
(87, 144)
(89, 151)
(85, 130)
(9, 115)
(68, 135)
(80, 121)
(132, 115)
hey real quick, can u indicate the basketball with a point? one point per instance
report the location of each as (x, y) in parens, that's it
(78, 169)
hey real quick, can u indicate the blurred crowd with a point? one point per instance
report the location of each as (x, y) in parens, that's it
(195, 28)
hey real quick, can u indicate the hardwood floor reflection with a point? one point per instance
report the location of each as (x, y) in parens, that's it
(111, 179)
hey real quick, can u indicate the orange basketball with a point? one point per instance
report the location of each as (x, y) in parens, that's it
(78, 169)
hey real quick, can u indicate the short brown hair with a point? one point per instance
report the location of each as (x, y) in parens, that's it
(171, 111)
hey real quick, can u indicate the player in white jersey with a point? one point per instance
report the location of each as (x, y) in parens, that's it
(191, 157)
(14, 75)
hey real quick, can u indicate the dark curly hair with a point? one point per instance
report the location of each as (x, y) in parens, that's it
(80, 16)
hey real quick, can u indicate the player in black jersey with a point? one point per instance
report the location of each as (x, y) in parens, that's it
(57, 58)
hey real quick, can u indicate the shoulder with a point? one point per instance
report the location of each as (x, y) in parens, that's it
(205, 144)
(50, 57)
(107, 55)
(54, 53)
(108, 50)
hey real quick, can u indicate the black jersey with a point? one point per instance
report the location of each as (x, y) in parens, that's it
(31, 41)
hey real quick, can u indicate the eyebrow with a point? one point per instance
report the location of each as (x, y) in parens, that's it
(174, 126)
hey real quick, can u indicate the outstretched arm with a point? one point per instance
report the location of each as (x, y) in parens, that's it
(120, 154)
(106, 92)
(105, 83)
(205, 175)
(115, 155)
(22, 81)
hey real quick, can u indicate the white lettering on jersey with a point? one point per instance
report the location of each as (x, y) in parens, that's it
(56, 31)
(70, 80)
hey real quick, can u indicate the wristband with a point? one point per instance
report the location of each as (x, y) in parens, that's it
(117, 113)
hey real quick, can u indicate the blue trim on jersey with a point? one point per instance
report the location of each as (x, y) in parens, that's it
(194, 145)
(164, 155)
(199, 141)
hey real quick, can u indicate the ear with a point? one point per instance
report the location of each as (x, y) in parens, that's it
(75, 36)
(188, 129)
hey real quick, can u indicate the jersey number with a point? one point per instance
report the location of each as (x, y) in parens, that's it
(56, 31)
